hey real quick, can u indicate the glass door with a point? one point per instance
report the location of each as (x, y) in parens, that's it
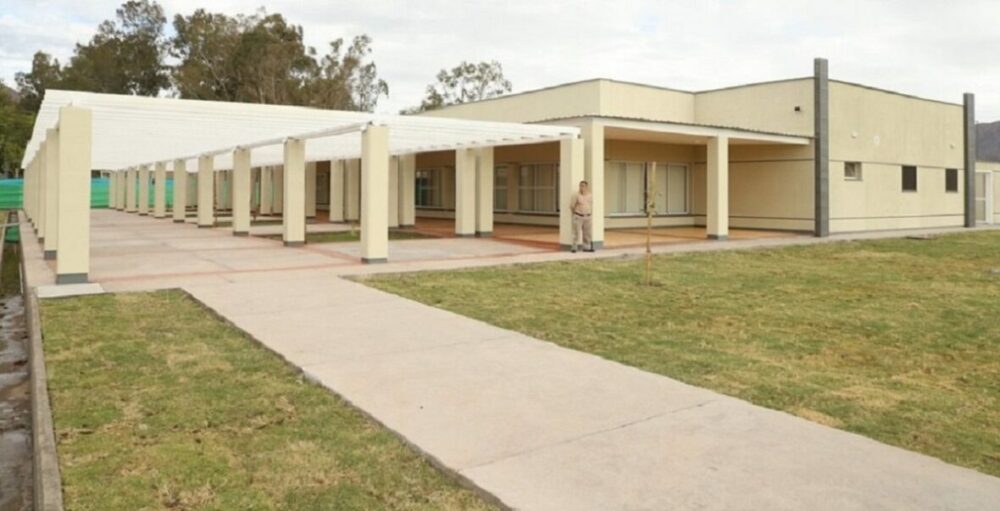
(984, 185)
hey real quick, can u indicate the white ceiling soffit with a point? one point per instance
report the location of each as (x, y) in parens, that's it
(133, 130)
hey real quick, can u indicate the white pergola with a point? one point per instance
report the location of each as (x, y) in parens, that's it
(131, 136)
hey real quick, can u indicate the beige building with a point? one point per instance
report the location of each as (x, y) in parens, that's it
(809, 155)
(804, 154)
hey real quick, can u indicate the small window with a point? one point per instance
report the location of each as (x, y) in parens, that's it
(951, 180)
(909, 178)
(852, 171)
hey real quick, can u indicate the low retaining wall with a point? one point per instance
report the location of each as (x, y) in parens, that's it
(48, 481)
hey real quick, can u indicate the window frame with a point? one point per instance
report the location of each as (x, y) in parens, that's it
(535, 188)
(506, 168)
(688, 177)
(437, 188)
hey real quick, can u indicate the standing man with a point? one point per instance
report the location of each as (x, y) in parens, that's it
(581, 204)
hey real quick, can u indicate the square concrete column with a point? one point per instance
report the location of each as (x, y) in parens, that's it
(407, 191)
(73, 226)
(111, 189)
(241, 192)
(160, 190)
(293, 213)
(43, 181)
(465, 193)
(484, 192)
(206, 192)
(571, 169)
(337, 191)
(144, 190)
(352, 190)
(122, 189)
(717, 204)
(266, 190)
(310, 189)
(374, 197)
(131, 193)
(52, 183)
(593, 147)
(180, 191)
(393, 205)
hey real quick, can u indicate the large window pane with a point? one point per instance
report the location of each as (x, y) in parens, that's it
(677, 189)
(500, 188)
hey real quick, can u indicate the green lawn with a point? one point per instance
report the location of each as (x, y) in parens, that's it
(160, 405)
(898, 340)
(344, 236)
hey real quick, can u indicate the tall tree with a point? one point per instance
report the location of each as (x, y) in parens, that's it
(45, 73)
(15, 131)
(261, 58)
(465, 82)
(125, 56)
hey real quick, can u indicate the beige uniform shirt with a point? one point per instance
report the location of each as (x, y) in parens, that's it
(582, 204)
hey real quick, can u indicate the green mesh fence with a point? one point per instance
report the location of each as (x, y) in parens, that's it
(12, 193)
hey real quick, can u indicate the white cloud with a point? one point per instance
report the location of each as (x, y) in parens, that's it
(923, 47)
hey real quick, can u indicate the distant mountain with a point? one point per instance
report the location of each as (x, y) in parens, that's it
(988, 141)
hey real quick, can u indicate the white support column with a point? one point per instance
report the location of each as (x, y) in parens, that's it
(407, 192)
(374, 184)
(571, 171)
(73, 226)
(144, 190)
(352, 190)
(717, 205)
(484, 192)
(311, 189)
(293, 216)
(111, 189)
(266, 190)
(593, 143)
(52, 184)
(241, 192)
(337, 191)
(122, 191)
(465, 193)
(393, 206)
(206, 192)
(43, 181)
(180, 191)
(131, 181)
(160, 190)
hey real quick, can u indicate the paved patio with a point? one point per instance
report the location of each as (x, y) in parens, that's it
(536, 425)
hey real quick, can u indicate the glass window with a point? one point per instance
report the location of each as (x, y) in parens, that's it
(537, 188)
(852, 171)
(625, 188)
(951, 180)
(909, 178)
(428, 188)
(500, 188)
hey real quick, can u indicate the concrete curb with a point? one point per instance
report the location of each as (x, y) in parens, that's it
(48, 481)
(449, 472)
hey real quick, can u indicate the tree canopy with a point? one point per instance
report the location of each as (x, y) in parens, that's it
(465, 82)
(257, 58)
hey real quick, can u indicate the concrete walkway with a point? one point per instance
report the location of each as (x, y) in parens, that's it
(538, 426)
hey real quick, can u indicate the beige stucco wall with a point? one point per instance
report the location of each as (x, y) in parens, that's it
(629, 100)
(763, 107)
(884, 131)
(572, 100)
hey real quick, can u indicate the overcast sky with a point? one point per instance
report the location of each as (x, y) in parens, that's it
(936, 49)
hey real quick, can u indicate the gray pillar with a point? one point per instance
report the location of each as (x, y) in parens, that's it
(821, 142)
(969, 118)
